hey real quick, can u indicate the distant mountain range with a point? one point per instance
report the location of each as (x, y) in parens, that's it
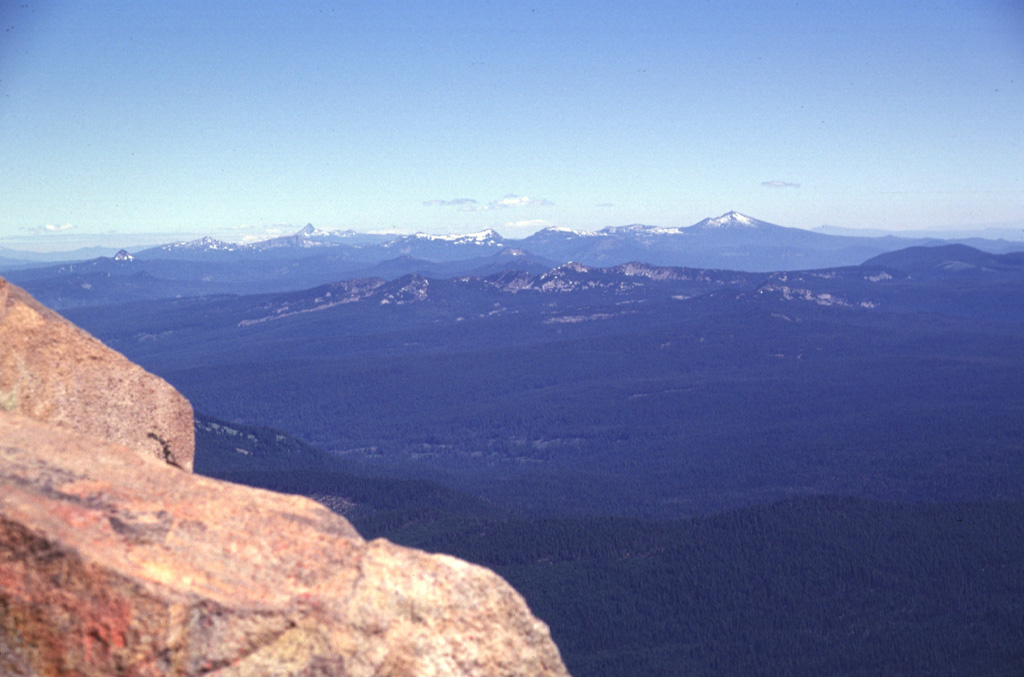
(311, 237)
(313, 257)
(1010, 232)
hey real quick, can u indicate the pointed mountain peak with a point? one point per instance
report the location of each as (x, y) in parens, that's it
(123, 255)
(730, 220)
(311, 231)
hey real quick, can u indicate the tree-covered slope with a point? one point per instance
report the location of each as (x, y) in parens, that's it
(629, 391)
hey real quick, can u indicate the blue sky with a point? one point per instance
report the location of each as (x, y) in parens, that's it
(242, 119)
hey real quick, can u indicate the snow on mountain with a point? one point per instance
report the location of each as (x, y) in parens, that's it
(568, 231)
(639, 229)
(561, 234)
(488, 237)
(202, 244)
(124, 256)
(311, 232)
(309, 236)
(730, 220)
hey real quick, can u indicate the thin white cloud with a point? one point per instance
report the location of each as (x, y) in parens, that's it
(53, 228)
(605, 204)
(450, 203)
(521, 201)
(511, 200)
(507, 202)
(267, 233)
(779, 184)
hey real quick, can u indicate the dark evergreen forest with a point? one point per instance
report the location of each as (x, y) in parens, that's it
(811, 585)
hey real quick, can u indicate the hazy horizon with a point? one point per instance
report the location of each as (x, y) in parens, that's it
(68, 241)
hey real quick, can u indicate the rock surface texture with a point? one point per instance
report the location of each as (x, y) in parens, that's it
(52, 371)
(115, 563)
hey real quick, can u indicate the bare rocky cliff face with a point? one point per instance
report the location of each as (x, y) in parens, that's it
(114, 562)
(54, 372)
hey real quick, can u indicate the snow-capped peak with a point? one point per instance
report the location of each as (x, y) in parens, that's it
(311, 231)
(730, 220)
(123, 255)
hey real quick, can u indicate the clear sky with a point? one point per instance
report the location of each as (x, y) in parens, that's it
(239, 119)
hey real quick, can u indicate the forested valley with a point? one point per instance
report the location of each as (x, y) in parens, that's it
(809, 585)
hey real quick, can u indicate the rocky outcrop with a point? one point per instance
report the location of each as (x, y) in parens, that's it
(52, 371)
(116, 563)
